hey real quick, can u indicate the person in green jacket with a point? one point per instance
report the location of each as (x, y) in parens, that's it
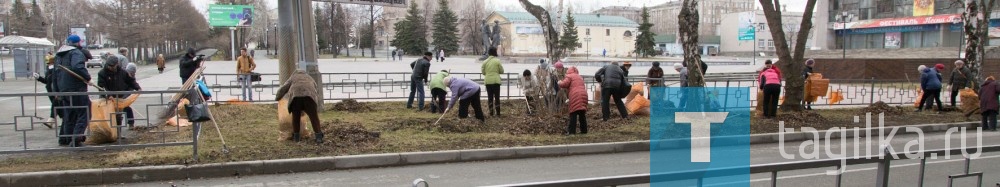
(492, 70)
(438, 92)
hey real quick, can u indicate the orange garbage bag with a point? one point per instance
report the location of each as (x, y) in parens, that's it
(970, 100)
(103, 125)
(637, 90)
(835, 97)
(638, 106)
(285, 122)
(920, 95)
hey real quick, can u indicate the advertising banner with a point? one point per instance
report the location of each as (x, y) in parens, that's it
(230, 15)
(923, 7)
(892, 22)
(81, 32)
(746, 31)
(892, 40)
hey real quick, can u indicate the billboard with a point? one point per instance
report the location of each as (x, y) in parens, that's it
(923, 7)
(388, 3)
(81, 32)
(230, 15)
(747, 29)
(892, 40)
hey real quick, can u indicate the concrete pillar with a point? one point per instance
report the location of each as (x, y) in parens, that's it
(297, 41)
(823, 35)
(287, 40)
(308, 44)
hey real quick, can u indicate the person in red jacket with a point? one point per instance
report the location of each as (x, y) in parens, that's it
(770, 82)
(574, 85)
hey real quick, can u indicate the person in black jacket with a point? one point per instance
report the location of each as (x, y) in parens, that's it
(421, 69)
(114, 78)
(48, 81)
(612, 79)
(71, 76)
(189, 63)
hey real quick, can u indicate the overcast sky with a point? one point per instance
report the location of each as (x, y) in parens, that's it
(793, 5)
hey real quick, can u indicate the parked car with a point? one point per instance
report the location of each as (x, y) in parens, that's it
(95, 62)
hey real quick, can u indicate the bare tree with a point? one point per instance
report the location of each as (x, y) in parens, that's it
(791, 59)
(976, 34)
(551, 34)
(471, 30)
(688, 19)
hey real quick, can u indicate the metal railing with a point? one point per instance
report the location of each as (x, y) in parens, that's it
(390, 86)
(23, 124)
(883, 161)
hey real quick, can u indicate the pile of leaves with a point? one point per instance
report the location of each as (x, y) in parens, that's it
(351, 105)
(346, 134)
(881, 108)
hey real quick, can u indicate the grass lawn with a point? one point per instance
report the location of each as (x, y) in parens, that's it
(251, 134)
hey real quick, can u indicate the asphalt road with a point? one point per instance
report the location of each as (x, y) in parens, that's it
(903, 172)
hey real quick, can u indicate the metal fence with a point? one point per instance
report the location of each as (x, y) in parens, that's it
(883, 162)
(21, 128)
(395, 86)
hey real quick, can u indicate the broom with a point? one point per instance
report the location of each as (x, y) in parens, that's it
(171, 109)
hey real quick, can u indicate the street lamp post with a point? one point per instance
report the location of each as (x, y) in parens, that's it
(961, 38)
(843, 19)
(587, 39)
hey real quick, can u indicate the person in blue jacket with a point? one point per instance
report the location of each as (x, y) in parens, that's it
(930, 83)
(72, 76)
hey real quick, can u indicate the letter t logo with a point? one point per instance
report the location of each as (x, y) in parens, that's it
(701, 132)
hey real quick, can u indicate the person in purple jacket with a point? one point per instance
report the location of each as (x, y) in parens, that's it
(466, 92)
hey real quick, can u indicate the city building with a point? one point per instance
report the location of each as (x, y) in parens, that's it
(630, 13)
(747, 33)
(613, 36)
(668, 45)
(664, 16)
(894, 24)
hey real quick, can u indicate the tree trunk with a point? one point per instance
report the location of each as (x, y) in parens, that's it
(554, 52)
(791, 60)
(371, 25)
(976, 29)
(688, 33)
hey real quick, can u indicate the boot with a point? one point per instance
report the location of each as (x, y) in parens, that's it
(296, 137)
(319, 138)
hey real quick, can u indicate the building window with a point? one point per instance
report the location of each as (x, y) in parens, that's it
(762, 44)
(628, 33)
(588, 31)
(884, 6)
(607, 32)
(770, 44)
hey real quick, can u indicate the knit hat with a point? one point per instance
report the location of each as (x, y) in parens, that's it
(559, 65)
(959, 62)
(110, 61)
(656, 64)
(810, 62)
(131, 68)
(921, 68)
(73, 39)
(678, 66)
(939, 66)
(991, 78)
(190, 51)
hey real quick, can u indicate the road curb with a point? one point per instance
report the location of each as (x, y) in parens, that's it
(245, 168)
